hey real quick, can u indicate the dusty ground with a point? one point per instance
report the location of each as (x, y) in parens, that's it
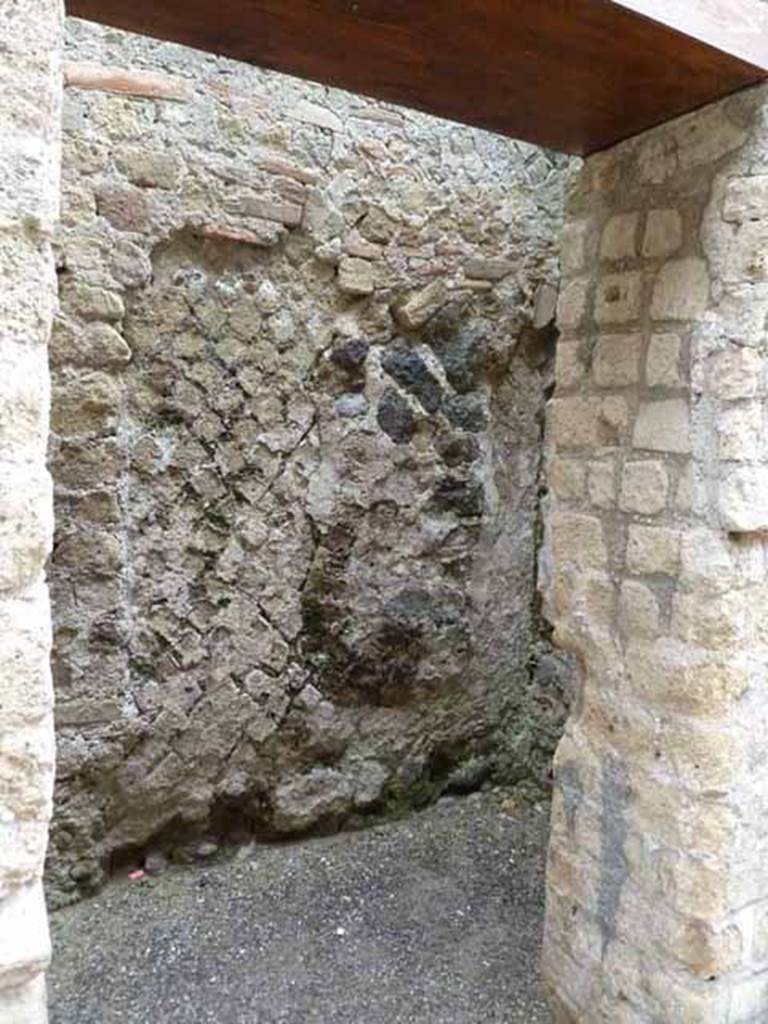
(431, 920)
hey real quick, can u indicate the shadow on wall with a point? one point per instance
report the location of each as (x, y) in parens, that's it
(297, 433)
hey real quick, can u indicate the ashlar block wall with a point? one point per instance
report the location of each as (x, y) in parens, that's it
(655, 571)
(30, 91)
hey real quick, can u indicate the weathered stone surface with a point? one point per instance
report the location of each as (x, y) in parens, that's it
(410, 371)
(489, 270)
(24, 944)
(663, 426)
(25, 1004)
(150, 168)
(663, 233)
(619, 240)
(744, 499)
(662, 362)
(619, 298)
(417, 309)
(356, 276)
(32, 35)
(616, 360)
(395, 417)
(96, 346)
(656, 864)
(295, 550)
(681, 290)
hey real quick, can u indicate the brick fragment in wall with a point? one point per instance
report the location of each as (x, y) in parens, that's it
(289, 214)
(267, 235)
(274, 510)
(277, 165)
(126, 81)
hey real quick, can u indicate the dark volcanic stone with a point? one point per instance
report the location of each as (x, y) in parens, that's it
(395, 417)
(464, 497)
(467, 412)
(461, 352)
(351, 357)
(412, 373)
(458, 451)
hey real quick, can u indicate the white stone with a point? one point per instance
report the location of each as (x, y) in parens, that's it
(24, 657)
(619, 239)
(601, 483)
(741, 432)
(638, 610)
(569, 368)
(663, 426)
(744, 499)
(705, 136)
(653, 549)
(567, 478)
(746, 199)
(572, 302)
(618, 298)
(662, 362)
(572, 246)
(616, 360)
(684, 495)
(738, 372)
(663, 234)
(578, 540)
(25, 1004)
(681, 291)
(30, 130)
(644, 487)
(24, 944)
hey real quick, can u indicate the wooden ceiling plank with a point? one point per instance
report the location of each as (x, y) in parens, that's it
(574, 75)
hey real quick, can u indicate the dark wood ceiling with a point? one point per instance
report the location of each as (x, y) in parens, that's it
(574, 75)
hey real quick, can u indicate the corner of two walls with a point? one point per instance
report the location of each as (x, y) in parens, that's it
(299, 376)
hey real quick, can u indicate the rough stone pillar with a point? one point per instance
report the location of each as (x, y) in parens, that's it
(655, 576)
(30, 88)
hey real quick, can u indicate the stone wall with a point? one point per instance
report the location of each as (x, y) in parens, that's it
(299, 375)
(30, 93)
(655, 571)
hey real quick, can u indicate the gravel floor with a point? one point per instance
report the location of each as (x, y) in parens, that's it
(431, 920)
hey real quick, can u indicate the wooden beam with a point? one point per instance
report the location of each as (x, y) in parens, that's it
(574, 75)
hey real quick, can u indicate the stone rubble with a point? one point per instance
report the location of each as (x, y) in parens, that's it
(296, 455)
